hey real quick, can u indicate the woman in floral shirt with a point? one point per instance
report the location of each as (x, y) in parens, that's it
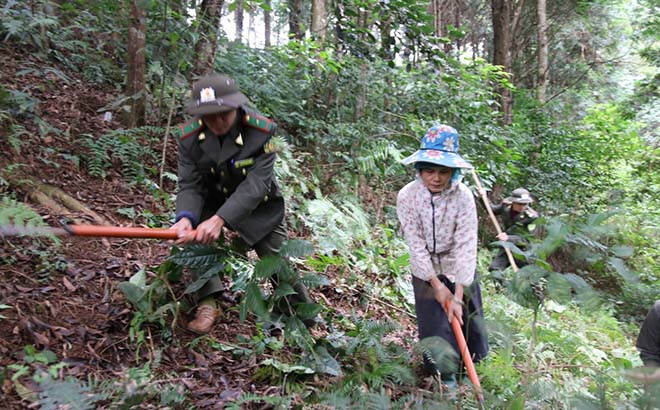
(438, 219)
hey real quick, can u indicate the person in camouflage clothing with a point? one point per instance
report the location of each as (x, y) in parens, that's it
(517, 222)
(226, 180)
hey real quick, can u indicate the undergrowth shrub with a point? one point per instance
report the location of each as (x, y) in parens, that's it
(133, 151)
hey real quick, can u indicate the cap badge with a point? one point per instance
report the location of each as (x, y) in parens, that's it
(207, 94)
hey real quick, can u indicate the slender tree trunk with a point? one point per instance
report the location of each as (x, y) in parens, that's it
(501, 46)
(542, 52)
(239, 20)
(252, 33)
(209, 24)
(319, 19)
(135, 84)
(267, 29)
(445, 12)
(295, 20)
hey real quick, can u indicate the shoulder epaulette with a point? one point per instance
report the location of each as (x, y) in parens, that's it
(259, 122)
(189, 128)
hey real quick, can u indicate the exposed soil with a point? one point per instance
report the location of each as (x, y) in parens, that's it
(65, 298)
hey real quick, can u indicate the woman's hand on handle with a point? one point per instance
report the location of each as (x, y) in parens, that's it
(453, 303)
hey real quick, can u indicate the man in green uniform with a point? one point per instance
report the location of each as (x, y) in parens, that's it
(517, 219)
(226, 180)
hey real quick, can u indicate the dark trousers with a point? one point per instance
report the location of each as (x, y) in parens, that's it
(432, 321)
(648, 341)
(501, 261)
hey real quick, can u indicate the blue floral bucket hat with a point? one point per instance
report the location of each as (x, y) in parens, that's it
(439, 146)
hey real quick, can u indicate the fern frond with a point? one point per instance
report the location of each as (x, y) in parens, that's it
(376, 401)
(438, 351)
(312, 280)
(337, 400)
(246, 398)
(296, 249)
(17, 213)
(68, 393)
(397, 373)
(379, 327)
(198, 256)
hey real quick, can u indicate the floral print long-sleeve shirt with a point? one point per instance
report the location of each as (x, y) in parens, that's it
(440, 230)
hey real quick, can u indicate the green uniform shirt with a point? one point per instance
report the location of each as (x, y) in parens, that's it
(230, 176)
(516, 227)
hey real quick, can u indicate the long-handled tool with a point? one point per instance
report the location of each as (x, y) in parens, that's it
(90, 230)
(484, 197)
(467, 358)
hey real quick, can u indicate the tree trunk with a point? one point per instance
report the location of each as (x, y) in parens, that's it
(135, 84)
(56, 201)
(239, 20)
(319, 19)
(295, 20)
(361, 94)
(267, 29)
(252, 33)
(542, 52)
(501, 46)
(209, 23)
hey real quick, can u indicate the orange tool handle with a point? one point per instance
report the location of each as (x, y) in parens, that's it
(121, 232)
(465, 354)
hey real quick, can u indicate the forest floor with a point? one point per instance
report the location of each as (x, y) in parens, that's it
(65, 298)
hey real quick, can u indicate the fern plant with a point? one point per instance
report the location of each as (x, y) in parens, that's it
(337, 227)
(18, 214)
(372, 364)
(132, 148)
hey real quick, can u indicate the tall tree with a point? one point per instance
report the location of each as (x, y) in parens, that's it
(445, 13)
(267, 28)
(505, 17)
(319, 19)
(238, 13)
(295, 19)
(209, 23)
(135, 84)
(542, 52)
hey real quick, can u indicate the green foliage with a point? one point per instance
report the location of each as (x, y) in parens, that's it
(247, 398)
(18, 214)
(155, 303)
(585, 350)
(595, 256)
(131, 150)
(337, 228)
(374, 363)
(70, 393)
(28, 25)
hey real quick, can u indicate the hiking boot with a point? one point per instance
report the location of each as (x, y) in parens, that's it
(204, 319)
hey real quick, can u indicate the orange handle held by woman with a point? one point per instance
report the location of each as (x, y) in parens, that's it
(465, 354)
